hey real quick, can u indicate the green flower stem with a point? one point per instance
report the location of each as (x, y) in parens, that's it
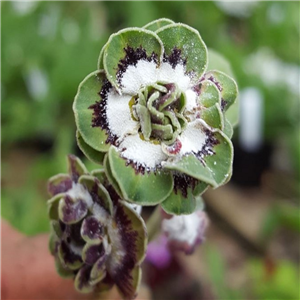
(154, 224)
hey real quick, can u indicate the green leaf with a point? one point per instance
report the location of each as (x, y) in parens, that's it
(87, 95)
(188, 40)
(190, 165)
(131, 37)
(157, 24)
(92, 154)
(147, 189)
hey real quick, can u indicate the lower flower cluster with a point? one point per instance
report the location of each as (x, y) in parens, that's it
(96, 238)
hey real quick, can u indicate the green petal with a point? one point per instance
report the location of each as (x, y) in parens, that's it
(131, 37)
(68, 259)
(100, 65)
(209, 94)
(177, 204)
(81, 281)
(220, 163)
(93, 155)
(63, 272)
(98, 271)
(98, 192)
(191, 166)
(226, 86)
(88, 95)
(100, 175)
(213, 116)
(188, 40)
(110, 176)
(53, 206)
(147, 189)
(228, 130)
(157, 24)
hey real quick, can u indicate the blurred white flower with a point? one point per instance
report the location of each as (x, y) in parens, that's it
(241, 9)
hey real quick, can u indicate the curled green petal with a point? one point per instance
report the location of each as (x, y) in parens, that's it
(191, 166)
(226, 85)
(228, 130)
(185, 39)
(53, 206)
(209, 94)
(213, 116)
(157, 24)
(93, 155)
(87, 97)
(59, 184)
(147, 189)
(75, 167)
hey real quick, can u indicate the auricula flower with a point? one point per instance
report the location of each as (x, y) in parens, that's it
(155, 117)
(96, 237)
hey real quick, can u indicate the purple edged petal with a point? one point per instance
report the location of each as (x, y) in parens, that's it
(91, 229)
(60, 183)
(76, 167)
(128, 250)
(71, 211)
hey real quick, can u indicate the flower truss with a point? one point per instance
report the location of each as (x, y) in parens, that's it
(96, 238)
(155, 117)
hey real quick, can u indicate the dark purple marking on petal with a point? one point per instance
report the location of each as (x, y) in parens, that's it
(99, 114)
(72, 233)
(84, 276)
(131, 58)
(73, 211)
(174, 58)
(92, 228)
(93, 253)
(105, 284)
(223, 104)
(62, 186)
(112, 192)
(122, 274)
(183, 182)
(73, 165)
(207, 148)
(68, 255)
(214, 80)
(141, 168)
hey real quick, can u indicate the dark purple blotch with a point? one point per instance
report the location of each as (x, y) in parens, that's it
(75, 169)
(99, 112)
(131, 58)
(60, 187)
(68, 255)
(174, 58)
(183, 182)
(73, 211)
(93, 253)
(122, 274)
(92, 228)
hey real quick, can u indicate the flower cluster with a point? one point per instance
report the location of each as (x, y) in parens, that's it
(96, 238)
(156, 116)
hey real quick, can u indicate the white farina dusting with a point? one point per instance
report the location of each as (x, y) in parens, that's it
(118, 115)
(78, 191)
(169, 75)
(136, 77)
(191, 99)
(142, 152)
(192, 138)
(182, 228)
(100, 213)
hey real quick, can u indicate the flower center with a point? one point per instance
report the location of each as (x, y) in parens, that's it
(159, 108)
